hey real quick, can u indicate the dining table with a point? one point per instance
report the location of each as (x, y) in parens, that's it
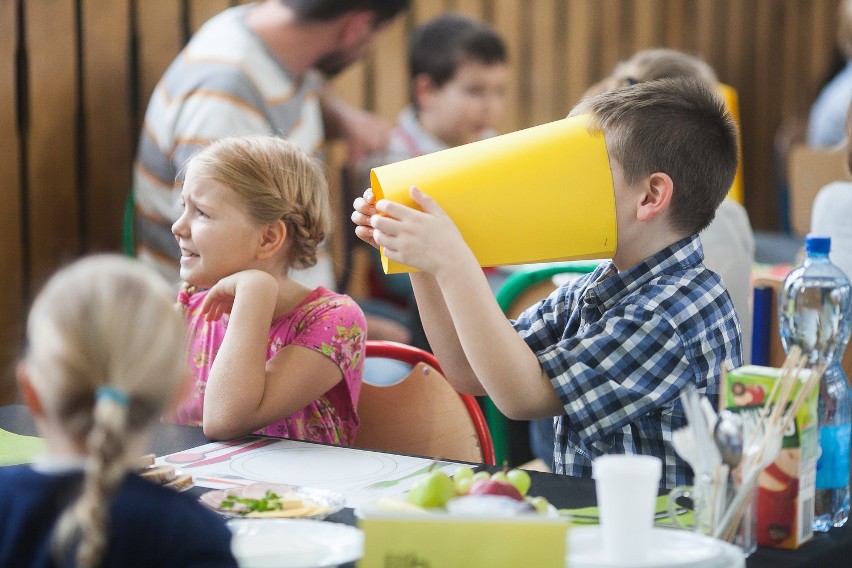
(832, 548)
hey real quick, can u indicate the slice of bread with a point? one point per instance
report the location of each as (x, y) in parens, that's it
(160, 474)
(180, 482)
(144, 461)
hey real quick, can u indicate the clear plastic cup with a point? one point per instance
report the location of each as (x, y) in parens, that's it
(626, 488)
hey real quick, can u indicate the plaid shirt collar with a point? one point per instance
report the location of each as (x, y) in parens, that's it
(610, 286)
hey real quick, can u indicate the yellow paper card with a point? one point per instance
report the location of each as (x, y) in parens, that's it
(536, 195)
(397, 542)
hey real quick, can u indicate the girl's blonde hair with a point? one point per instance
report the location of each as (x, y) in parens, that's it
(106, 355)
(276, 180)
(652, 64)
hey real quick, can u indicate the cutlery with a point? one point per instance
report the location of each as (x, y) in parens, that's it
(658, 516)
(229, 455)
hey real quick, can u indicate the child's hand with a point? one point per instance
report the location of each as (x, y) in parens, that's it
(427, 240)
(220, 298)
(365, 208)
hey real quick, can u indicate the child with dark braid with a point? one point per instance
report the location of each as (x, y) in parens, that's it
(105, 359)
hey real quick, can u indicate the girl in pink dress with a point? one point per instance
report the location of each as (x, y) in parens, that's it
(268, 354)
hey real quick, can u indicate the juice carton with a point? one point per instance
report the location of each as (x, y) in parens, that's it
(786, 488)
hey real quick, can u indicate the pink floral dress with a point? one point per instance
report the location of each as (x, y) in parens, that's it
(325, 322)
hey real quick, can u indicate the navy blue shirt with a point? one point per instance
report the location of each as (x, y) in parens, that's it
(149, 525)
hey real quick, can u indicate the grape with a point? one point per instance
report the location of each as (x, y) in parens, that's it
(481, 475)
(463, 485)
(540, 503)
(520, 479)
(463, 472)
(500, 476)
(432, 489)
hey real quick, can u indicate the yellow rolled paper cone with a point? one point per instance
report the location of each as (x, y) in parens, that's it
(729, 95)
(536, 195)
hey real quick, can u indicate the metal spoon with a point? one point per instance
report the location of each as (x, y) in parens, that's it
(728, 436)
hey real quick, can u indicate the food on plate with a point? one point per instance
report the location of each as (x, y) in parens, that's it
(144, 461)
(163, 474)
(463, 479)
(181, 482)
(432, 489)
(495, 487)
(520, 479)
(269, 500)
(159, 474)
(468, 493)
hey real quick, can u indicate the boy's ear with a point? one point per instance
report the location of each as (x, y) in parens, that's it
(659, 189)
(423, 87)
(272, 238)
(356, 28)
(28, 392)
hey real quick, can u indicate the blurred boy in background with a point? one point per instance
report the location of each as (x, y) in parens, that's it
(458, 77)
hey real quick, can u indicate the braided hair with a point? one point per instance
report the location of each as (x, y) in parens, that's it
(106, 354)
(276, 180)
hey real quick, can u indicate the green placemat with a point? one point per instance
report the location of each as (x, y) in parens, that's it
(15, 449)
(591, 515)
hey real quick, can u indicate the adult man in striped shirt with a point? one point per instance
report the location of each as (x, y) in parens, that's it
(254, 69)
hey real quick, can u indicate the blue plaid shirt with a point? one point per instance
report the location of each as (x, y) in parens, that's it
(618, 348)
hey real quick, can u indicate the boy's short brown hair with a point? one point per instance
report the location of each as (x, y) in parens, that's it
(676, 126)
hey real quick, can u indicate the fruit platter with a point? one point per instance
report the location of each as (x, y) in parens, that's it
(466, 492)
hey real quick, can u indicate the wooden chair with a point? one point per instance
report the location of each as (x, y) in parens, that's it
(407, 406)
(808, 170)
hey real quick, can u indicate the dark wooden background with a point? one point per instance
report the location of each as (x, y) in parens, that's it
(75, 77)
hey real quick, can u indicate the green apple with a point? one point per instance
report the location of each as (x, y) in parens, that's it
(431, 490)
(520, 479)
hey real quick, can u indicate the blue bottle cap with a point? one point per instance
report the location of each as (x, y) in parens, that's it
(817, 243)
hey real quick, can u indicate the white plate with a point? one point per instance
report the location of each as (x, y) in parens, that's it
(313, 465)
(669, 548)
(330, 501)
(294, 543)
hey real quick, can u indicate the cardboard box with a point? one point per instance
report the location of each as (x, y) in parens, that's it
(441, 539)
(786, 488)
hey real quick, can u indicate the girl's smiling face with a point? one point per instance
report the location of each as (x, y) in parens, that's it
(216, 235)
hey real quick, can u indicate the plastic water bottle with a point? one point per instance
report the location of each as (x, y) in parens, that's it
(815, 312)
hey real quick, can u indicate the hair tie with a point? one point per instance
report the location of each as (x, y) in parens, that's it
(112, 394)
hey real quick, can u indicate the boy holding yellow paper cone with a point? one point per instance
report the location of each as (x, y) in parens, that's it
(609, 353)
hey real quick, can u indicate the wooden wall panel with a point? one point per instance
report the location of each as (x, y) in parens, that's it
(544, 65)
(199, 11)
(90, 68)
(12, 255)
(108, 136)
(390, 73)
(507, 16)
(580, 37)
(52, 169)
(647, 32)
(159, 38)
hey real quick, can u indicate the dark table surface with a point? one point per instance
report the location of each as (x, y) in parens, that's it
(827, 550)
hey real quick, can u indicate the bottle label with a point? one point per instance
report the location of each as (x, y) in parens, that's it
(833, 463)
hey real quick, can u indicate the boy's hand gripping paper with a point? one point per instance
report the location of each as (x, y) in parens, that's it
(536, 195)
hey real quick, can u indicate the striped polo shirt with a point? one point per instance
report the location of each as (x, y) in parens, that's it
(225, 82)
